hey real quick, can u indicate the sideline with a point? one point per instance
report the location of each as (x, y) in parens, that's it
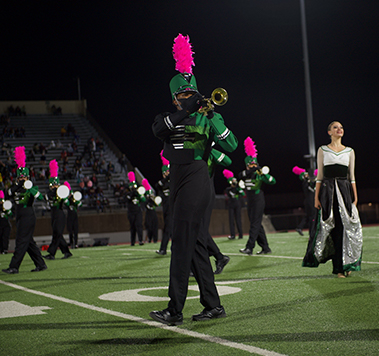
(209, 338)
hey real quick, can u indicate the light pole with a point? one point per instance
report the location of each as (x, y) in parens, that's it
(79, 93)
(311, 137)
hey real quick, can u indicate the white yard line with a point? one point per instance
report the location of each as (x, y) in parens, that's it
(209, 338)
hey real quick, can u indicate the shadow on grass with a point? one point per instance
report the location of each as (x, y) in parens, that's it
(347, 335)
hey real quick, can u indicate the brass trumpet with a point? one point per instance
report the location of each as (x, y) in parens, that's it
(218, 97)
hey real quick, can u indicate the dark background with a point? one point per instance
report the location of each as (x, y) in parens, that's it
(122, 52)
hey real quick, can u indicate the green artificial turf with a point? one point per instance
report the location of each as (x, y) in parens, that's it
(279, 307)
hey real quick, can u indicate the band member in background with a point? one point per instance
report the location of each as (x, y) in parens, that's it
(187, 135)
(308, 185)
(151, 218)
(163, 190)
(133, 200)
(5, 225)
(233, 194)
(58, 218)
(254, 177)
(23, 194)
(73, 203)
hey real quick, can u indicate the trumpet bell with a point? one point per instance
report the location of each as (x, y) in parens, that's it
(63, 192)
(7, 205)
(242, 184)
(77, 196)
(219, 96)
(265, 170)
(158, 200)
(141, 190)
(28, 184)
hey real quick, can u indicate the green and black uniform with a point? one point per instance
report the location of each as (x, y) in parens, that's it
(255, 206)
(187, 137)
(25, 224)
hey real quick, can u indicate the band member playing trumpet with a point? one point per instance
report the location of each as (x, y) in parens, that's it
(23, 194)
(73, 202)
(254, 176)
(56, 201)
(187, 136)
(134, 197)
(5, 225)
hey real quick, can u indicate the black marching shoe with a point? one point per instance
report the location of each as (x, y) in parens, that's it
(67, 255)
(231, 237)
(141, 243)
(39, 269)
(218, 312)
(300, 231)
(264, 252)
(161, 252)
(165, 317)
(220, 264)
(10, 270)
(49, 257)
(246, 251)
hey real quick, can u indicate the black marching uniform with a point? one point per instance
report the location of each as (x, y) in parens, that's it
(25, 224)
(185, 146)
(58, 222)
(151, 219)
(72, 220)
(163, 190)
(5, 228)
(255, 206)
(133, 200)
(308, 186)
(233, 194)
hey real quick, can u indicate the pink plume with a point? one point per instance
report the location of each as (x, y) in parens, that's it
(250, 148)
(316, 171)
(227, 174)
(131, 176)
(183, 55)
(19, 156)
(1, 194)
(165, 161)
(67, 184)
(53, 165)
(146, 184)
(297, 170)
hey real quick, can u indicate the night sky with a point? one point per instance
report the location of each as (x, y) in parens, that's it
(122, 52)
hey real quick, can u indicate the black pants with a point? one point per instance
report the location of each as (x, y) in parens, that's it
(234, 208)
(58, 222)
(189, 197)
(255, 209)
(73, 226)
(151, 225)
(167, 230)
(25, 224)
(135, 221)
(5, 232)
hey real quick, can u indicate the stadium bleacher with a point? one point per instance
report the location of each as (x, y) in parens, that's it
(44, 129)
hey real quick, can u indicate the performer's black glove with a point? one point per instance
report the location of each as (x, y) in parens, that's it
(210, 114)
(191, 104)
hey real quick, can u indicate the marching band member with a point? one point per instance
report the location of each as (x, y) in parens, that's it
(233, 193)
(134, 199)
(151, 218)
(23, 194)
(254, 177)
(187, 135)
(163, 190)
(73, 202)
(5, 225)
(58, 218)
